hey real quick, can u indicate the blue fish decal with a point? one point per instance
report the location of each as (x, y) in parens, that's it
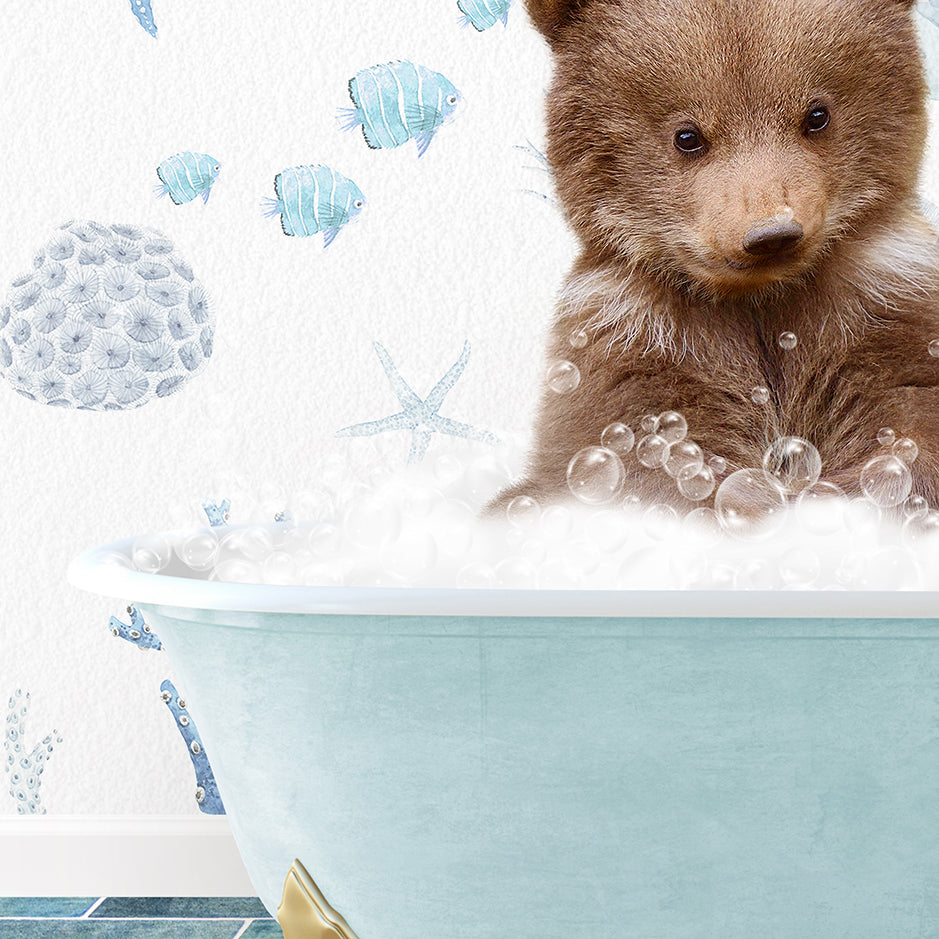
(187, 175)
(481, 14)
(144, 15)
(399, 101)
(216, 514)
(313, 199)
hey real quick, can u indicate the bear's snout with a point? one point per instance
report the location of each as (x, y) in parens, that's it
(772, 236)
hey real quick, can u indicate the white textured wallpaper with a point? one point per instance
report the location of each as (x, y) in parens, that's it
(450, 247)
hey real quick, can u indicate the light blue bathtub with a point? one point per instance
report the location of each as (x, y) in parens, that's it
(559, 764)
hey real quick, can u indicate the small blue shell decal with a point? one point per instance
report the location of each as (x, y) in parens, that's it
(207, 794)
(139, 633)
(397, 102)
(144, 15)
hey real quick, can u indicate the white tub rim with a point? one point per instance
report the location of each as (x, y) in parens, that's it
(92, 571)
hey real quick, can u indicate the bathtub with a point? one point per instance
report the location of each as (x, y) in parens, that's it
(475, 764)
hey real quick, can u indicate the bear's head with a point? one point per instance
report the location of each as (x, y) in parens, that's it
(728, 145)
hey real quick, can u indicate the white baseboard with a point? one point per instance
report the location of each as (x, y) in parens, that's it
(120, 856)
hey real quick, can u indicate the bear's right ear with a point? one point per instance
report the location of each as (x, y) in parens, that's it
(550, 16)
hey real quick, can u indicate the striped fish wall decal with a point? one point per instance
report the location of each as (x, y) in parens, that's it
(313, 199)
(187, 175)
(397, 102)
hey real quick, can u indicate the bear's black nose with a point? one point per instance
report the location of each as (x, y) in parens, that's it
(772, 236)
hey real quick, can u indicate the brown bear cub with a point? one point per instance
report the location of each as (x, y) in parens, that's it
(736, 170)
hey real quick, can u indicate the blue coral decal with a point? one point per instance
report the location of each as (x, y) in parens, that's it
(144, 15)
(138, 632)
(207, 794)
(25, 769)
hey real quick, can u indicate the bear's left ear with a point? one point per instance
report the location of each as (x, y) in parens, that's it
(550, 16)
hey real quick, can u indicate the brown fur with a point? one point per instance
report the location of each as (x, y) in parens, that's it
(672, 324)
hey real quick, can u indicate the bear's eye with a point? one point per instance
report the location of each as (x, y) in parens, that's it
(817, 119)
(689, 140)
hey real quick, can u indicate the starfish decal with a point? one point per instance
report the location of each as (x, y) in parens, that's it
(420, 417)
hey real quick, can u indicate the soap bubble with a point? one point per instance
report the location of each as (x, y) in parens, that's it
(236, 571)
(556, 522)
(251, 544)
(915, 507)
(760, 394)
(618, 437)
(799, 567)
(371, 520)
(323, 540)
(476, 575)
(820, 508)
(906, 449)
(702, 527)
(861, 517)
(486, 475)
(934, 348)
(447, 469)
(749, 504)
(684, 458)
(672, 426)
(787, 341)
(696, 485)
(523, 511)
(649, 423)
(199, 550)
(411, 555)
(151, 553)
(608, 529)
(456, 522)
(886, 481)
(886, 436)
(579, 338)
(563, 377)
(595, 475)
(652, 451)
(792, 463)
(922, 528)
(516, 573)
(533, 550)
(279, 567)
(755, 574)
(718, 464)
(891, 568)
(659, 521)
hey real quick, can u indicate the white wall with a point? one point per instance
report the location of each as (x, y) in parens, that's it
(450, 248)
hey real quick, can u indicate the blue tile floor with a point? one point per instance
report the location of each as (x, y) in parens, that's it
(136, 918)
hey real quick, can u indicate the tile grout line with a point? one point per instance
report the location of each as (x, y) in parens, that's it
(92, 908)
(243, 930)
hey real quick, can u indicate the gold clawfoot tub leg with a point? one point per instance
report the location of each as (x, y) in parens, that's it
(304, 913)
